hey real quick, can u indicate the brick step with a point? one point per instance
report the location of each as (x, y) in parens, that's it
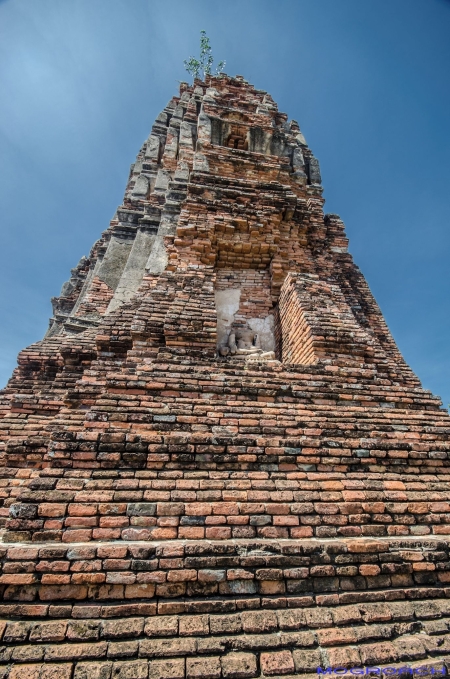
(159, 514)
(232, 666)
(239, 377)
(333, 436)
(285, 389)
(432, 602)
(246, 644)
(294, 572)
(287, 410)
(167, 505)
(244, 480)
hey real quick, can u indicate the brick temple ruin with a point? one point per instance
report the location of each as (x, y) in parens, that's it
(217, 464)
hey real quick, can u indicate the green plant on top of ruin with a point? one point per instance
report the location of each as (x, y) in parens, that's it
(204, 64)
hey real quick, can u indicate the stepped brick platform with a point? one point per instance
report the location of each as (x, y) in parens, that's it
(217, 464)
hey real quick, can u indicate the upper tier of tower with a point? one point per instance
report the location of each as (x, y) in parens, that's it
(225, 128)
(221, 245)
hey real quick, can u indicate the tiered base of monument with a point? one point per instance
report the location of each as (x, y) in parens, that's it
(228, 609)
(259, 522)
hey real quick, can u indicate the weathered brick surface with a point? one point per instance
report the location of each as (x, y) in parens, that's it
(217, 464)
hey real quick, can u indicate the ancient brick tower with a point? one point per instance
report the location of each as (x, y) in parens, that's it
(217, 463)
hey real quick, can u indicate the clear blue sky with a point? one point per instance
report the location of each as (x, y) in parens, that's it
(81, 82)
